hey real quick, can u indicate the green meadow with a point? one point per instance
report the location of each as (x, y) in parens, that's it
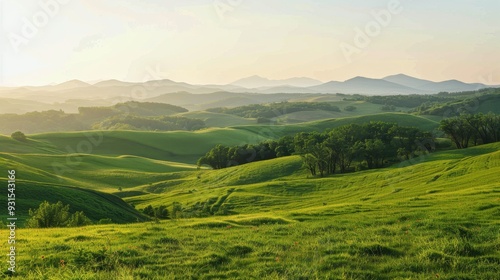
(434, 216)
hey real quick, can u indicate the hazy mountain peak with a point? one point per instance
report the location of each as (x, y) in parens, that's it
(67, 85)
(359, 78)
(112, 83)
(407, 81)
(256, 81)
(75, 82)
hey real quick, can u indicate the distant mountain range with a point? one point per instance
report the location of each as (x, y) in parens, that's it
(260, 82)
(76, 92)
(395, 84)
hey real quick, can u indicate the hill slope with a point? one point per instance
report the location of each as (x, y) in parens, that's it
(96, 205)
(276, 185)
(434, 217)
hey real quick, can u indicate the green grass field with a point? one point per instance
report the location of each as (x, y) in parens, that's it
(434, 217)
(218, 120)
(276, 131)
(363, 108)
(184, 146)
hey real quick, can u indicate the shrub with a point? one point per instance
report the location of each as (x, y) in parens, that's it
(18, 136)
(350, 108)
(386, 108)
(55, 215)
(49, 215)
(79, 219)
(105, 221)
(156, 212)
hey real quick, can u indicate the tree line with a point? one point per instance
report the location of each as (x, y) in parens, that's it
(129, 115)
(275, 109)
(467, 129)
(371, 145)
(157, 123)
(465, 102)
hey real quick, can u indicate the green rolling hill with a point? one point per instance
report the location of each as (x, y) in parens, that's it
(184, 146)
(281, 184)
(436, 215)
(96, 205)
(212, 119)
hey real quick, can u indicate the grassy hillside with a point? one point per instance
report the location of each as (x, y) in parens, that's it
(435, 217)
(102, 173)
(217, 119)
(362, 108)
(402, 119)
(183, 146)
(178, 146)
(96, 205)
(279, 181)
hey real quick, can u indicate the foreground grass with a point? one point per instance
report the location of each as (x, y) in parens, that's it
(435, 218)
(380, 244)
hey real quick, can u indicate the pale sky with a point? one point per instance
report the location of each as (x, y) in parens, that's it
(219, 41)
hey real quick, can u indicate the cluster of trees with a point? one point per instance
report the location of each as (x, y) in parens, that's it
(466, 104)
(372, 145)
(407, 101)
(275, 109)
(350, 108)
(388, 108)
(162, 123)
(129, 115)
(34, 122)
(468, 129)
(55, 215)
(222, 156)
(144, 109)
(160, 212)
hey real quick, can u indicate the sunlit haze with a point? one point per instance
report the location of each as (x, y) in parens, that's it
(218, 42)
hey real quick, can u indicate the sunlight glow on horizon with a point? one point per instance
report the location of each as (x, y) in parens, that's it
(202, 43)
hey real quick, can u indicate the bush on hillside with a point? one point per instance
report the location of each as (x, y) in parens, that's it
(78, 219)
(19, 136)
(157, 212)
(350, 108)
(55, 215)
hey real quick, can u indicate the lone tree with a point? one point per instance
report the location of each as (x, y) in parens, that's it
(350, 108)
(19, 136)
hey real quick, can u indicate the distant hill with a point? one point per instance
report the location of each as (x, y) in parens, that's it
(360, 85)
(222, 99)
(113, 83)
(259, 82)
(452, 86)
(188, 146)
(245, 91)
(128, 115)
(407, 81)
(434, 87)
(68, 85)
